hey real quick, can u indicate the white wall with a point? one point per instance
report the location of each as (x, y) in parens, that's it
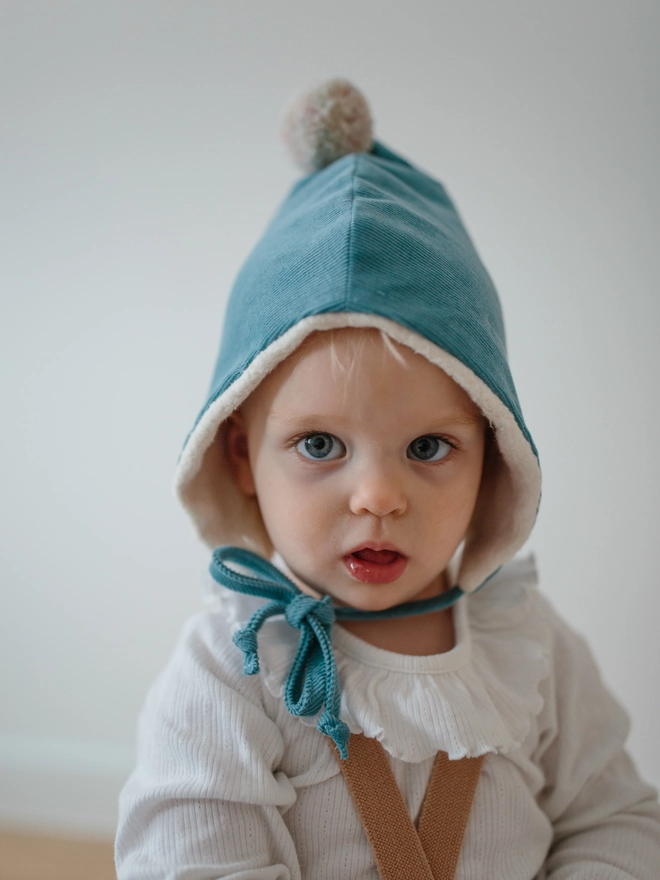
(139, 163)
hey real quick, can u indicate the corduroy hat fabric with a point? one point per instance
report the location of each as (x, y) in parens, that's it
(368, 241)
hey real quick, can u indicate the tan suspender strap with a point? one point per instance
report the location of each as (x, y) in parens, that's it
(379, 803)
(401, 853)
(446, 810)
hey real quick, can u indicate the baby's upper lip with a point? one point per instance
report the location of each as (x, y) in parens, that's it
(375, 545)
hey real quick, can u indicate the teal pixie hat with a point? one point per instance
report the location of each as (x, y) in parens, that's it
(366, 241)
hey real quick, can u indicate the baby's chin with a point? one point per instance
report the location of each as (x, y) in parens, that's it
(347, 591)
(344, 596)
(376, 597)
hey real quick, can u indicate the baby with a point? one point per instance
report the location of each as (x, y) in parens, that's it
(382, 691)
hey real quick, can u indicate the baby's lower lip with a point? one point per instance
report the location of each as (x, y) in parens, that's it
(376, 566)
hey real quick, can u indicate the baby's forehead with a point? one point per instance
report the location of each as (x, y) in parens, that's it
(357, 363)
(347, 347)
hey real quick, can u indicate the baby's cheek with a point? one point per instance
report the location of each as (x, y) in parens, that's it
(292, 527)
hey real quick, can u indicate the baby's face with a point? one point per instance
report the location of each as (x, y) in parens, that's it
(366, 467)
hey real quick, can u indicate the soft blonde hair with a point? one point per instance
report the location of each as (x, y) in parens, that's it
(358, 338)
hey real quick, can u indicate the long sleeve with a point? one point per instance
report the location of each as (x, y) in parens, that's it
(205, 801)
(606, 820)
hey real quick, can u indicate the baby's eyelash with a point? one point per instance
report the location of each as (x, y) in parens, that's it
(430, 449)
(448, 440)
(294, 441)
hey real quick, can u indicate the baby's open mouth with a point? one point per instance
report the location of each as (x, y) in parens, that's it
(382, 557)
(375, 566)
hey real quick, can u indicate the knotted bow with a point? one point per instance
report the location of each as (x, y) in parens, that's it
(312, 683)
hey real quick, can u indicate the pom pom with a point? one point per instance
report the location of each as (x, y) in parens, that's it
(326, 123)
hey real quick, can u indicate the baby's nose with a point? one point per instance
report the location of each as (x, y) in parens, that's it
(377, 491)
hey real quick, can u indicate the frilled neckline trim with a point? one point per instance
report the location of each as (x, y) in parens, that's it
(480, 696)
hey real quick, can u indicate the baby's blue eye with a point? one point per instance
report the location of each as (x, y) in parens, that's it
(428, 448)
(324, 447)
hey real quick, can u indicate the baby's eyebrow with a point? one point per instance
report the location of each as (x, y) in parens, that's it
(462, 419)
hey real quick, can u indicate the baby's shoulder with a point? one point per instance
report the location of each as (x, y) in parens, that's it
(206, 662)
(572, 692)
(513, 599)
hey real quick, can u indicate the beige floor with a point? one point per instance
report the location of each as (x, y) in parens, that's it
(29, 857)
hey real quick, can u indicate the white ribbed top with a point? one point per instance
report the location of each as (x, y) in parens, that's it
(229, 785)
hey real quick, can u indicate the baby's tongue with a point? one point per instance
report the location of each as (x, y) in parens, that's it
(384, 557)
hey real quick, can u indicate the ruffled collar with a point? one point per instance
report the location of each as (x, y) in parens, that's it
(479, 697)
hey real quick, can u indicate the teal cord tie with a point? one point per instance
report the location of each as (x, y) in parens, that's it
(312, 683)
